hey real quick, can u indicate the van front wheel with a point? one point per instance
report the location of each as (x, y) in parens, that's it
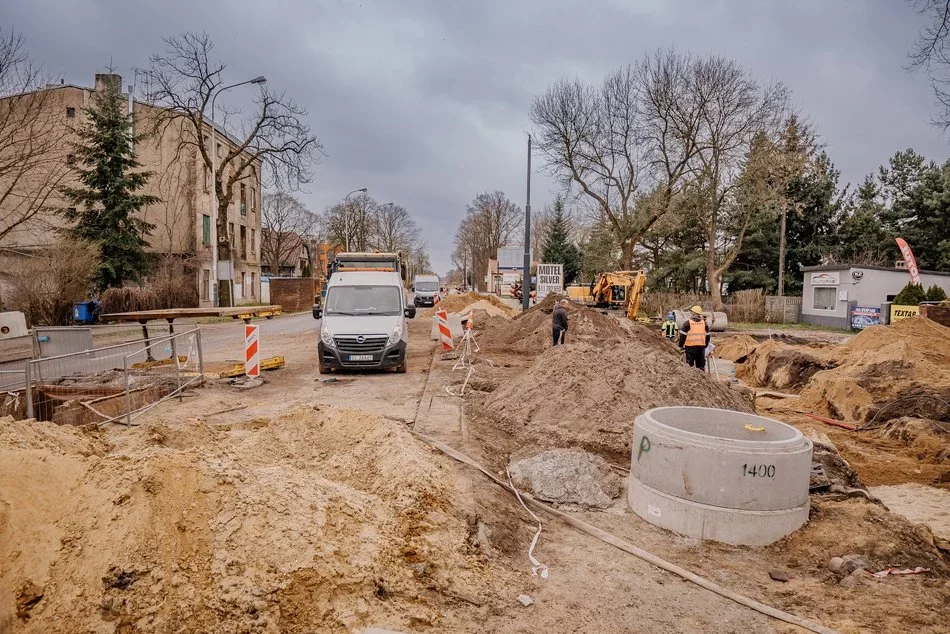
(322, 369)
(402, 367)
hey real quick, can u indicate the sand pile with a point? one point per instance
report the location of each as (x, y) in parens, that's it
(460, 302)
(781, 366)
(909, 360)
(582, 395)
(530, 332)
(736, 349)
(320, 520)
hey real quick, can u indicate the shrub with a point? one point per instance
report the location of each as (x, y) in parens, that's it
(128, 299)
(747, 306)
(658, 304)
(936, 294)
(45, 286)
(911, 295)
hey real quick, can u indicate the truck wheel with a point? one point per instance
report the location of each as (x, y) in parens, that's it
(402, 367)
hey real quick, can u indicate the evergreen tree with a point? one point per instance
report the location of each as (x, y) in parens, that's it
(599, 251)
(911, 295)
(107, 199)
(936, 294)
(861, 236)
(558, 248)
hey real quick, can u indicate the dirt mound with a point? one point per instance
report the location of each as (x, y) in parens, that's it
(928, 439)
(781, 366)
(736, 349)
(582, 395)
(320, 520)
(530, 332)
(460, 302)
(888, 371)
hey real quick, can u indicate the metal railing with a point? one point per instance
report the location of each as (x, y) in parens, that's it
(114, 382)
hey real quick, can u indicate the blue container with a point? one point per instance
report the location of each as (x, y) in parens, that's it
(86, 312)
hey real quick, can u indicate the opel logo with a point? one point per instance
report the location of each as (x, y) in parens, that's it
(360, 339)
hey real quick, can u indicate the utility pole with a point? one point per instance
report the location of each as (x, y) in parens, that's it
(781, 253)
(526, 281)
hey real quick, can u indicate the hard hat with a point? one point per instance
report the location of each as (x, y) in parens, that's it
(670, 316)
(696, 310)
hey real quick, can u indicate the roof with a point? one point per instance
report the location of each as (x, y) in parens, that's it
(847, 267)
(365, 278)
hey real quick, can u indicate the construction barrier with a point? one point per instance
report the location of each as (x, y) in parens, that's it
(252, 353)
(445, 334)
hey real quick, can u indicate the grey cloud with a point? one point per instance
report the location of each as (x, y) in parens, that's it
(425, 101)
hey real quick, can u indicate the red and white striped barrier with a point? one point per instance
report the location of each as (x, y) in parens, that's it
(445, 333)
(252, 353)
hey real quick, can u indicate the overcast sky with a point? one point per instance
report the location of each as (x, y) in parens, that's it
(425, 101)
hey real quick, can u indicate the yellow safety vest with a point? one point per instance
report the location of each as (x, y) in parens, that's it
(697, 334)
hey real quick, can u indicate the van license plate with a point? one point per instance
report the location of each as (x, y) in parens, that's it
(361, 357)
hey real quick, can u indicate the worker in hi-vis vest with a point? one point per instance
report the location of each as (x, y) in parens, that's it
(694, 337)
(669, 327)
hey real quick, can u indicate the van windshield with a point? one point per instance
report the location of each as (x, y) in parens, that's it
(363, 300)
(427, 287)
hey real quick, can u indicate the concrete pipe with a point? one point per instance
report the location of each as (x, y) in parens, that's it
(719, 474)
(718, 321)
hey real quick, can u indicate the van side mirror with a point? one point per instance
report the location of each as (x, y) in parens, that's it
(410, 311)
(317, 312)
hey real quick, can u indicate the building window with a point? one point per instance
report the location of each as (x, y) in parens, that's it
(70, 159)
(243, 242)
(244, 284)
(205, 229)
(220, 151)
(253, 284)
(253, 199)
(70, 113)
(243, 200)
(231, 235)
(825, 298)
(253, 244)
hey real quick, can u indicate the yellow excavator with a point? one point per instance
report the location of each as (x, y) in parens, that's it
(618, 289)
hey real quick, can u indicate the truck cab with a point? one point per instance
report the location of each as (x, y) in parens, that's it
(426, 290)
(363, 322)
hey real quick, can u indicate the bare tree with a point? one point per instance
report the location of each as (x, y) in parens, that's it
(491, 221)
(395, 230)
(286, 225)
(632, 134)
(276, 136)
(33, 140)
(931, 52)
(735, 111)
(350, 224)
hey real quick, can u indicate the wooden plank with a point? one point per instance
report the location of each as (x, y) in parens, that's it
(16, 348)
(272, 363)
(180, 313)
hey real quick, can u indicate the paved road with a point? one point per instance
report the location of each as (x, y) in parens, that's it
(226, 340)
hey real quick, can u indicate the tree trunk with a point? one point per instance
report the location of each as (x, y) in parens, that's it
(781, 252)
(626, 254)
(712, 278)
(224, 256)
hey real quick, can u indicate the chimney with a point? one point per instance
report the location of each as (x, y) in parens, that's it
(108, 79)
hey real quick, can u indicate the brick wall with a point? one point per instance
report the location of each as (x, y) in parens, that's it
(293, 294)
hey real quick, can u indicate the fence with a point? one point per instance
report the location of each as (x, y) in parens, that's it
(110, 383)
(784, 310)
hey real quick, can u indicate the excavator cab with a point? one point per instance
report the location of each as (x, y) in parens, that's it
(619, 290)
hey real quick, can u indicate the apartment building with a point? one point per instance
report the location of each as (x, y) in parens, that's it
(183, 219)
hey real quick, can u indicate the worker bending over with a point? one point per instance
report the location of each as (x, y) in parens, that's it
(694, 337)
(559, 321)
(669, 327)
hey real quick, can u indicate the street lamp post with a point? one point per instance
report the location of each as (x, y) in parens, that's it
(214, 193)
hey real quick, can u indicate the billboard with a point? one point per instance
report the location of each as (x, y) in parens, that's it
(864, 316)
(550, 279)
(510, 258)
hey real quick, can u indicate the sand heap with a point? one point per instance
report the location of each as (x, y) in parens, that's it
(530, 332)
(476, 301)
(736, 348)
(582, 395)
(880, 365)
(782, 366)
(320, 520)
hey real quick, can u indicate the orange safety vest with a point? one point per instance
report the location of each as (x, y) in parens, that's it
(697, 334)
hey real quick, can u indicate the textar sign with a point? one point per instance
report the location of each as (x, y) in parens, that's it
(550, 279)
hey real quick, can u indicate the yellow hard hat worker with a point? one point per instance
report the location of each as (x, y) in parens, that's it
(696, 310)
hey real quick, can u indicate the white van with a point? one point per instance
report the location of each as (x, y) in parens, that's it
(363, 322)
(426, 290)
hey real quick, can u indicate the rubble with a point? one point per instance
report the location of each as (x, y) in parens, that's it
(570, 477)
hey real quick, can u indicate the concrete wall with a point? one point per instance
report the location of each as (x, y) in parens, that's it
(855, 285)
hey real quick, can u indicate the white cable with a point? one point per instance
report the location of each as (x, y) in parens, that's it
(537, 568)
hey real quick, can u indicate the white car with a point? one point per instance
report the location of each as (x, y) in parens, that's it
(363, 322)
